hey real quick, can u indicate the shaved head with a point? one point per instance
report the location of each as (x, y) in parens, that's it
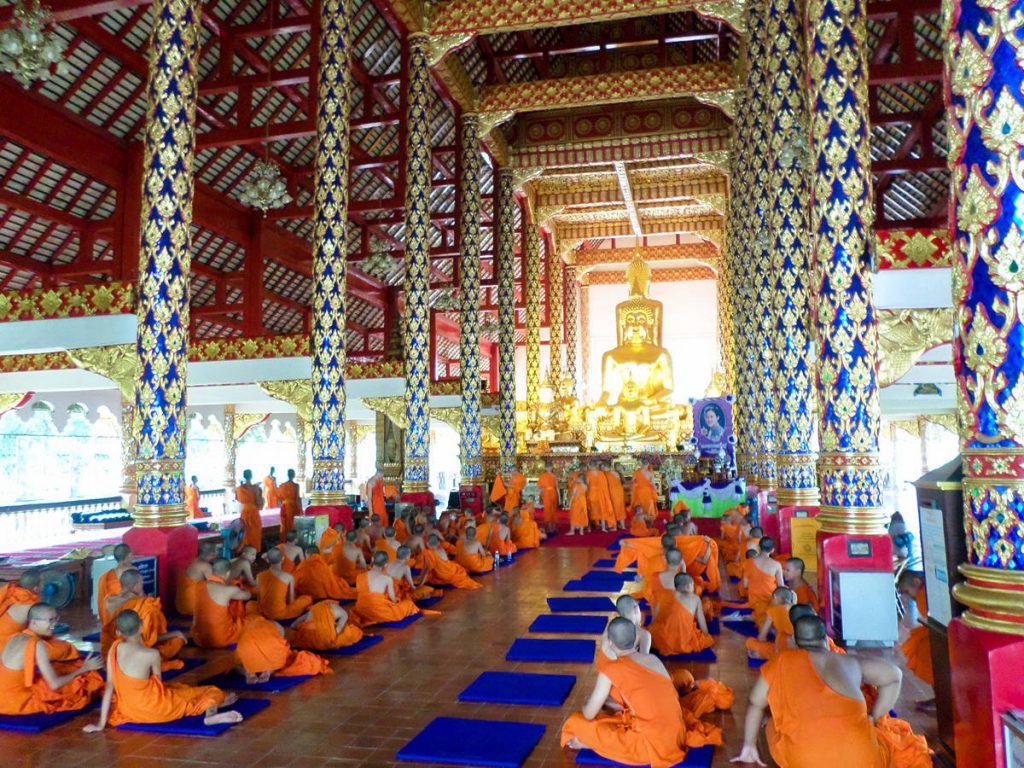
(380, 559)
(122, 552)
(809, 632)
(274, 556)
(766, 545)
(128, 623)
(389, 532)
(683, 582)
(668, 542)
(626, 605)
(433, 541)
(799, 611)
(784, 596)
(30, 579)
(208, 549)
(249, 551)
(622, 633)
(41, 612)
(403, 551)
(673, 557)
(221, 566)
(130, 579)
(291, 535)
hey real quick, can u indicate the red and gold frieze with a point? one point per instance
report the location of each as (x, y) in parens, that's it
(680, 274)
(610, 88)
(622, 148)
(704, 225)
(913, 248)
(605, 188)
(68, 301)
(650, 253)
(296, 345)
(42, 361)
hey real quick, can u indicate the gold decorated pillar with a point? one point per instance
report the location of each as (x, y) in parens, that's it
(302, 429)
(230, 454)
(161, 418)
(584, 294)
(555, 310)
(506, 248)
(128, 486)
(417, 266)
(469, 296)
(532, 286)
(330, 252)
(572, 321)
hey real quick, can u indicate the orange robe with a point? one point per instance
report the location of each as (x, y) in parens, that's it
(812, 725)
(377, 505)
(401, 530)
(549, 496)
(578, 514)
(639, 529)
(805, 595)
(153, 701)
(514, 491)
(448, 572)
(24, 691)
(250, 517)
(729, 542)
(273, 598)
(319, 634)
(646, 551)
(377, 607)
(154, 624)
(192, 502)
(599, 498)
(215, 625)
(487, 535)
(617, 495)
(675, 629)
(315, 579)
(526, 535)
(783, 628)
(649, 732)
(643, 495)
(498, 490)
(328, 540)
(291, 505)
(918, 646)
(760, 586)
(343, 567)
(383, 546)
(108, 585)
(269, 493)
(473, 563)
(261, 648)
(185, 596)
(14, 594)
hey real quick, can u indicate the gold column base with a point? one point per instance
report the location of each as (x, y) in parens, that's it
(415, 486)
(794, 497)
(479, 480)
(159, 515)
(994, 599)
(768, 485)
(327, 498)
(854, 520)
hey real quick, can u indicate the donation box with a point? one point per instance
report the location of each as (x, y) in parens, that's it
(855, 580)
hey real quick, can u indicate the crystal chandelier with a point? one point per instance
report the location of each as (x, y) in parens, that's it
(378, 264)
(265, 188)
(27, 50)
(489, 326)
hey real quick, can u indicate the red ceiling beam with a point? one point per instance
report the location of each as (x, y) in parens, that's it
(68, 10)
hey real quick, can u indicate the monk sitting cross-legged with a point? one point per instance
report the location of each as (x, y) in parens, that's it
(638, 526)
(292, 552)
(16, 599)
(263, 652)
(503, 538)
(240, 571)
(377, 602)
(761, 578)
(441, 570)
(135, 692)
(679, 625)
(28, 681)
(110, 582)
(471, 554)
(153, 631)
(398, 569)
(819, 716)
(650, 730)
(793, 573)
(276, 597)
(198, 571)
(315, 579)
(776, 618)
(525, 531)
(323, 628)
(388, 543)
(330, 538)
(348, 560)
(220, 609)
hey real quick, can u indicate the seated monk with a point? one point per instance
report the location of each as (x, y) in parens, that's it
(679, 625)
(388, 543)
(777, 618)
(133, 674)
(762, 578)
(647, 553)
(819, 716)
(347, 560)
(28, 681)
(315, 579)
(220, 609)
(330, 537)
(363, 539)
(401, 529)
(323, 627)
(416, 542)
(729, 540)
(292, 552)
(262, 653)
(377, 602)
(240, 571)
(664, 580)
(16, 599)
(917, 647)
(153, 632)
(471, 554)
(399, 570)
(441, 570)
(276, 596)
(742, 567)
(110, 582)
(503, 538)
(793, 574)
(290, 499)
(486, 532)
(525, 531)
(638, 526)
(649, 730)
(195, 573)
(681, 517)
(376, 528)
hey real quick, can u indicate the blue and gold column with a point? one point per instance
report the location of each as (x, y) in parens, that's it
(417, 267)
(841, 232)
(532, 286)
(469, 296)
(555, 310)
(330, 219)
(572, 321)
(506, 251)
(986, 142)
(796, 455)
(161, 417)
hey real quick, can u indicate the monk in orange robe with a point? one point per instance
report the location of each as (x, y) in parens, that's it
(323, 628)
(110, 582)
(503, 543)
(153, 632)
(16, 600)
(220, 609)
(777, 619)
(276, 595)
(401, 530)
(918, 646)
(315, 579)
(643, 493)
(195, 573)
(290, 499)
(679, 625)
(818, 712)
(649, 730)
(793, 574)
(599, 500)
(375, 495)
(471, 555)
(270, 491)
(762, 578)
(347, 559)
(548, 484)
(617, 495)
(579, 516)
(28, 681)
(330, 538)
(405, 586)
(192, 499)
(377, 602)
(388, 543)
(291, 553)
(525, 531)
(729, 540)
(441, 570)
(135, 692)
(514, 490)
(638, 526)
(262, 653)
(248, 497)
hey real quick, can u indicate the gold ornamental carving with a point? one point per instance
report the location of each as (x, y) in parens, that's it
(906, 334)
(295, 392)
(724, 100)
(118, 362)
(246, 421)
(438, 46)
(392, 407)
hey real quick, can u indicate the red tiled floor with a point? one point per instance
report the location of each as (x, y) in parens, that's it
(375, 702)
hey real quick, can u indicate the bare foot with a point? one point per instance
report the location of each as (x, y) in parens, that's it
(575, 743)
(223, 717)
(230, 699)
(263, 677)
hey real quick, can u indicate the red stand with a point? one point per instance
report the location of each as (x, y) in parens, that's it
(335, 515)
(839, 552)
(421, 498)
(174, 548)
(472, 497)
(986, 683)
(786, 514)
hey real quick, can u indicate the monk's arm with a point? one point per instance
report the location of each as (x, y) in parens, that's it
(108, 695)
(644, 645)
(701, 621)
(291, 590)
(602, 689)
(752, 724)
(391, 591)
(360, 560)
(92, 662)
(885, 676)
(780, 581)
(766, 627)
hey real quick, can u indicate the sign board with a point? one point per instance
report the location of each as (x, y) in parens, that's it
(858, 548)
(936, 569)
(147, 567)
(803, 533)
(1013, 738)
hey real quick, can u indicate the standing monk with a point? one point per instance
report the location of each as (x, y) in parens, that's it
(16, 600)
(549, 497)
(617, 494)
(599, 498)
(578, 517)
(642, 492)
(270, 491)
(220, 609)
(291, 503)
(277, 598)
(110, 582)
(248, 497)
(198, 571)
(192, 499)
(375, 495)
(514, 495)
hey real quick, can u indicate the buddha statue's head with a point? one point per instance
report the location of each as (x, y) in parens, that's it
(638, 318)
